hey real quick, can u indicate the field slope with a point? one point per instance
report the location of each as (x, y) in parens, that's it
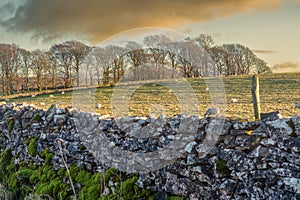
(278, 92)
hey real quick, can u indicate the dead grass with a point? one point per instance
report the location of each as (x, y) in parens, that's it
(278, 92)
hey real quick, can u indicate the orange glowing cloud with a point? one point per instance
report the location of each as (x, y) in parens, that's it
(100, 19)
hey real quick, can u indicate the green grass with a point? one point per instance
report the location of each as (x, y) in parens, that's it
(277, 91)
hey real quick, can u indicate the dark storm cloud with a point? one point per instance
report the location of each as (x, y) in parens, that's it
(99, 19)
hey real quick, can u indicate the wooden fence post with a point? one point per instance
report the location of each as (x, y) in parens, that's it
(255, 97)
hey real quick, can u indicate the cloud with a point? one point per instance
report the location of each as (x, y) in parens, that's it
(8, 9)
(286, 67)
(101, 19)
(264, 51)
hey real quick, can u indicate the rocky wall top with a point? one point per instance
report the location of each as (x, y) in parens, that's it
(245, 160)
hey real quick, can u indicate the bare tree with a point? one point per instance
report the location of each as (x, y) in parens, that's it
(206, 41)
(190, 58)
(78, 51)
(117, 54)
(157, 58)
(261, 67)
(53, 68)
(63, 61)
(103, 62)
(135, 57)
(9, 63)
(88, 69)
(173, 56)
(221, 60)
(157, 45)
(244, 59)
(25, 57)
(96, 67)
(40, 67)
(230, 67)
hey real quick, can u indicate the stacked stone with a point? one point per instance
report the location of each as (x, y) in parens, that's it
(246, 160)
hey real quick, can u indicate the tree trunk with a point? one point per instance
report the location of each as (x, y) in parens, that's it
(77, 76)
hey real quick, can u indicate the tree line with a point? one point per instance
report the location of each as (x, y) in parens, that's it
(73, 64)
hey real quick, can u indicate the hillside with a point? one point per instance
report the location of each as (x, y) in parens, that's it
(278, 91)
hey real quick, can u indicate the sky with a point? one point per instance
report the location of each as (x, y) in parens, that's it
(270, 27)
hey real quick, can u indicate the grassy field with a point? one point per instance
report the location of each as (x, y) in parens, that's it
(277, 92)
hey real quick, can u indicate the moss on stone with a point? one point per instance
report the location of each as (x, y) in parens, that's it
(27, 141)
(47, 181)
(111, 174)
(11, 123)
(36, 118)
(32, 146)
(32, 179)
(7, 167)
(12, 182)
(130, 191)
(93, 192)
(24, 173)
(222, 168)
(82, 148)
(174, 198)
(74, 169)
(83, 177)
(43, 188)
(47, 155)
(5, 158)
(62, 172)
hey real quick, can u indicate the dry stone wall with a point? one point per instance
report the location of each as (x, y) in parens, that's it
(249, 160)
